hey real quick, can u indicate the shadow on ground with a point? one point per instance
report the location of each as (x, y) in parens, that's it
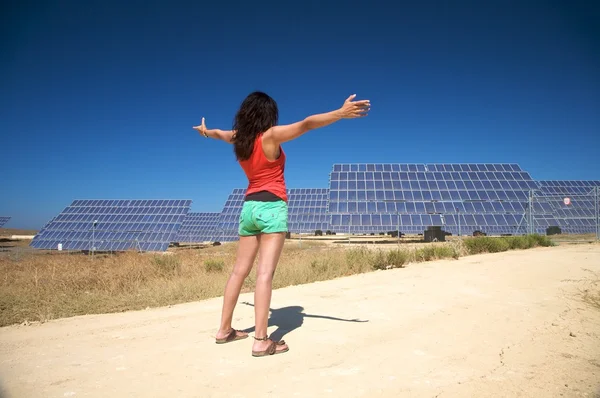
(288, 319)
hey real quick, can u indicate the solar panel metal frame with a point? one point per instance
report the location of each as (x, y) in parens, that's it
(308, 210)
(198, 227)
(577, 218)
(227, 228)
(4, 220)
(121, 224)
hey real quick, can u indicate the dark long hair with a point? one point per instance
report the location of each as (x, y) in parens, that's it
(258, 113)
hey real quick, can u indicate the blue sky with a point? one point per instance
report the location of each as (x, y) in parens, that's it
(98, 98)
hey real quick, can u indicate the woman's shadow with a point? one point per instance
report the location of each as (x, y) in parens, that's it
(288, 319)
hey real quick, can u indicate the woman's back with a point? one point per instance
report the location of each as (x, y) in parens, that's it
(264, 174)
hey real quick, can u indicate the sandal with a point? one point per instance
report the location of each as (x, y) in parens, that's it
(232, 336)
(271, 349)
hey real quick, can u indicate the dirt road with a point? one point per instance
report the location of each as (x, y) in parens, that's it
(502, 325)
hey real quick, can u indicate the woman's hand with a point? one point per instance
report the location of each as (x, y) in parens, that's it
(202, 128)
(223, 135)
(353, 109)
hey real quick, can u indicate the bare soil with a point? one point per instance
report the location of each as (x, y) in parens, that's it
(511, 324)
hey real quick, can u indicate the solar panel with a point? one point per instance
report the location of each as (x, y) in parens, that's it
(373, 198)
(198, 227)
(227, 228)
(3, 220)
(579, 216)
(307, 212)
(114, 225)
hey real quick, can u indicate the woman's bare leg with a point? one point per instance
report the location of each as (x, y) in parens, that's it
(270, 249)
(246, 253)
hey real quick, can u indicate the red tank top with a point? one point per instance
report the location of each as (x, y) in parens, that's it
(263, 174)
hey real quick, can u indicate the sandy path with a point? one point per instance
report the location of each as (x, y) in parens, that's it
(483, 326)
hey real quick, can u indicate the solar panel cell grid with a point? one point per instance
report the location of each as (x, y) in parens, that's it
(198, 227)
(114, 225)
(417, 190)
(307, 212)
(3, 221)
(362, 198)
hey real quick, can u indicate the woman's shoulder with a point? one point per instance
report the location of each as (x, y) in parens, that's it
(271, 149)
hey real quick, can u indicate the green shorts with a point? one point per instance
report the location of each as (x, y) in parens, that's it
(263, 218)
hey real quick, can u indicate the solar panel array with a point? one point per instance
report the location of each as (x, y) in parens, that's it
(198, 227)
(361, 199)
(307, 212)
(147, 225)
(227, 230)
(579, 216)
(3, 220)
(372, 198)
(568, 187)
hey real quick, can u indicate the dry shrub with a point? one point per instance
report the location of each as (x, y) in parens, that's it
(436, 252)
(379, 260)
(486, 245)
(459, 248)
(590, 293)
(518, 243)
(213, 265)
(425, 253)
(494, 245)
(358, 259)
(592, 296)
(541, 240)
(398, 258)
(446, 252)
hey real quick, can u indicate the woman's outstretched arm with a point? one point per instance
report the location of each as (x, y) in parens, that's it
(223, 135)
(349, 110)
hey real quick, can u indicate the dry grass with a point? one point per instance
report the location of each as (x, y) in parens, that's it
(494, 245)
(7, 232)
(40, 287)
(590, 294)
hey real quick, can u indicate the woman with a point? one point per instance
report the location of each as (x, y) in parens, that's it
(257, 140)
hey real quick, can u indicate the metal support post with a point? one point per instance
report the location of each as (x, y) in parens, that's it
(299, 232)
(349, 227)
(597, 210)
(532, 212)
(398, 223)
(94, 237)
(398, 214)
(530, 219)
